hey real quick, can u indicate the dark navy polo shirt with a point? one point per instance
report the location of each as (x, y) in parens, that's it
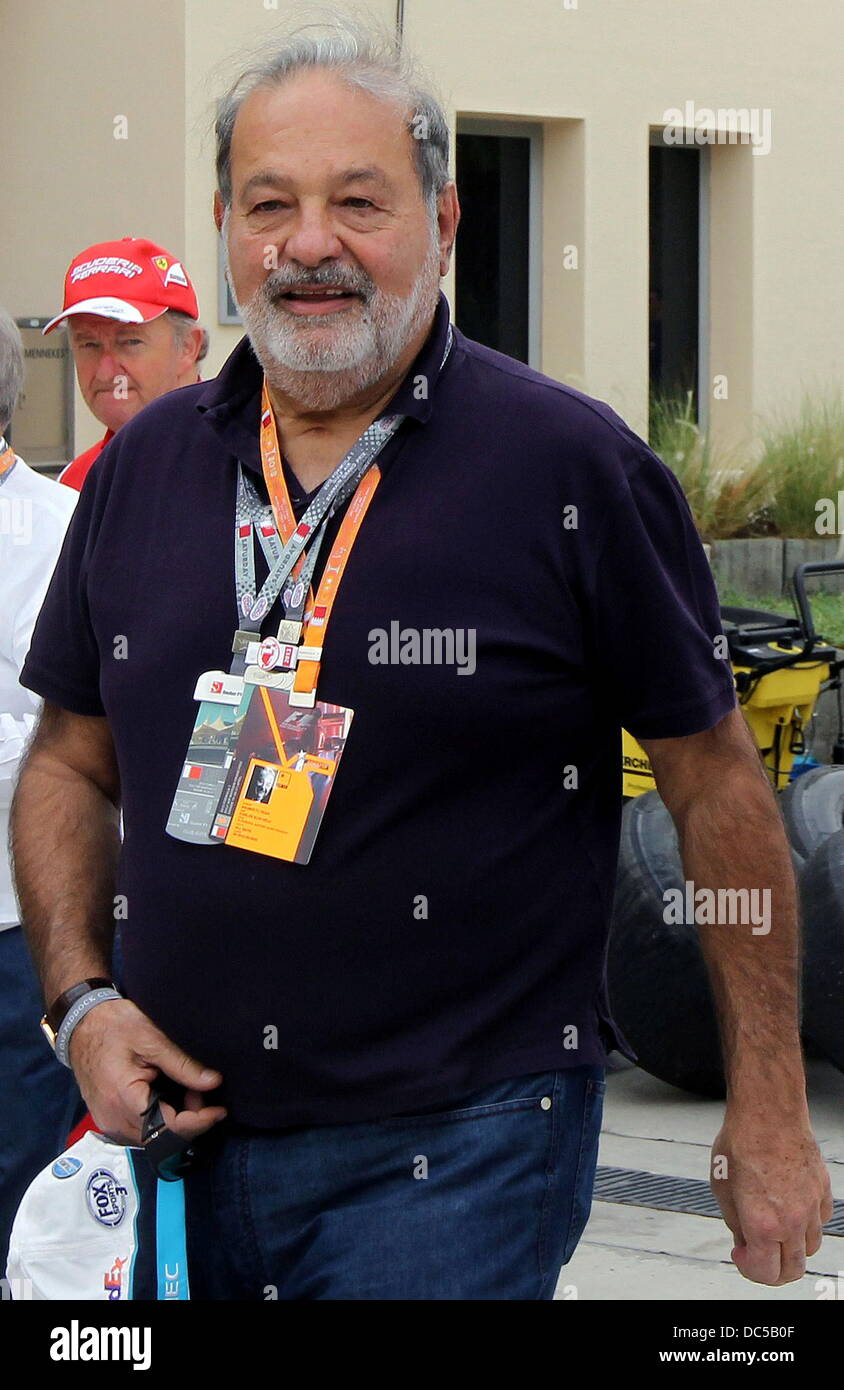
(450, 929)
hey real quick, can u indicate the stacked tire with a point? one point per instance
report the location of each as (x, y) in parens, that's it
(813, 810)
(658, 983)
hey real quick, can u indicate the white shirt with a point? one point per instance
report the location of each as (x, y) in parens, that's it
(34, 513)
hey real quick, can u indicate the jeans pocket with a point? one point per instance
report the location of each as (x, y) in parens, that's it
(515, 1093)
(587, 1161)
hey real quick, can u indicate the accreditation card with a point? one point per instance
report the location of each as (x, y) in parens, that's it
(281, 775)
(208, 757)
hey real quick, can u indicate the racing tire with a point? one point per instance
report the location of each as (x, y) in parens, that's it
(657, 981)
(812, 807)
(822, 902)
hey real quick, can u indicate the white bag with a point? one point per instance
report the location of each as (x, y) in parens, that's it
(98, 1224)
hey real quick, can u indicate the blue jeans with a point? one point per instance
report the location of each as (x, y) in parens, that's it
(38, 1096)
(485, 1198)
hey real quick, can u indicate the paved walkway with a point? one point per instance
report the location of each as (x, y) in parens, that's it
(641, 1253)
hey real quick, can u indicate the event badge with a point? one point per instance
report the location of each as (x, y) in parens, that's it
(208, 758)
(264, 752)
(281, 772)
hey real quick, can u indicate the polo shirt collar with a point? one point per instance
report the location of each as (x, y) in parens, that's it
(229, 402)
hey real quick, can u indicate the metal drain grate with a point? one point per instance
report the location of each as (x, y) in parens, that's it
(636, 1188)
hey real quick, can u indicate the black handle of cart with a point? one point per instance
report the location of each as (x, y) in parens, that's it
(799, 582)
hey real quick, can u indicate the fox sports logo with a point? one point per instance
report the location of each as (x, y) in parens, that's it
(106, 1198)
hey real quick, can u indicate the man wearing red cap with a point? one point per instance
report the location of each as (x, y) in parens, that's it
(132, 318)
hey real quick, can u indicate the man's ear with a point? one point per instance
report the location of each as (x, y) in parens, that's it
(219, 210)
(448, 218)
(188, 352)
(193, 345)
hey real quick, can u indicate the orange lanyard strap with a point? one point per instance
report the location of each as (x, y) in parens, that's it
(8, 459)
(307, 669)
(357, 472)
(274, 477)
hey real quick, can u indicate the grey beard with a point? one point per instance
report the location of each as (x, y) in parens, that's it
(322, 368)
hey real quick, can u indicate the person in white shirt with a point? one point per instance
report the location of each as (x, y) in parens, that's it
(38, 1097)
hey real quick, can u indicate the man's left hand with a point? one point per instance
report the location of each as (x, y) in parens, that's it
(774, 1192)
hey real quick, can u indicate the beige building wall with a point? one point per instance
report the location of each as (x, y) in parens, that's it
(777, 289)
(597, 74)
(70, 71)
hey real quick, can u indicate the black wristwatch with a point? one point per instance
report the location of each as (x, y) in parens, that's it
(53, 1018)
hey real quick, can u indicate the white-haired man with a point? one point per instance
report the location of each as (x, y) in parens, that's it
(402, 1025)
(37, 1098)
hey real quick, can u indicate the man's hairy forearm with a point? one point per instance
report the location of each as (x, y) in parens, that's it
(732, 836)
(65, 840)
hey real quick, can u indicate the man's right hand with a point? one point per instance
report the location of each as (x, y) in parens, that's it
(116, 1052)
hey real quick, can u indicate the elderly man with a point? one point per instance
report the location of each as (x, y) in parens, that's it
(132, 317)
(37, 1098)
(393, 1043)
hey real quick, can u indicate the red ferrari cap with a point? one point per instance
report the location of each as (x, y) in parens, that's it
(132, 280)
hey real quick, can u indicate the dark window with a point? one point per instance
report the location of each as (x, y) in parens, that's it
(492, 254)
(674, 251)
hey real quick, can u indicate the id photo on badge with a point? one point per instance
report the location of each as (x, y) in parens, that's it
(261, 784)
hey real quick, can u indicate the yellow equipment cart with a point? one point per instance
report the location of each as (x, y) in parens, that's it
(780, 667)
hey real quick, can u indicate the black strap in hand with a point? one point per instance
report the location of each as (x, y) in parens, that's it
(170, 1154)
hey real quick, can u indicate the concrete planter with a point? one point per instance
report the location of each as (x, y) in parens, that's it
(764, 565)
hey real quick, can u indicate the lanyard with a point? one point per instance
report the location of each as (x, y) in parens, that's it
(334, 492)
(252, 517)
(285, 543)
(8, 459)
(310, 653)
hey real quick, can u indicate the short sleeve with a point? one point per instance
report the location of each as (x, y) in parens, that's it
(32, 576)
(654, 613)
(63, 662)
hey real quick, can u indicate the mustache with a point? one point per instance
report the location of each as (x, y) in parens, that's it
(281, 281)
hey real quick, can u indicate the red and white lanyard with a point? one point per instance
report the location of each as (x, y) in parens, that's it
(287, 558)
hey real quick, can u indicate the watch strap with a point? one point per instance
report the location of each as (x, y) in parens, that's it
(57, 1011)
(75, 1015)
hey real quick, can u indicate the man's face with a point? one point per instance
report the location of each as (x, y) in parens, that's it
(326, 198)
(121, 367)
